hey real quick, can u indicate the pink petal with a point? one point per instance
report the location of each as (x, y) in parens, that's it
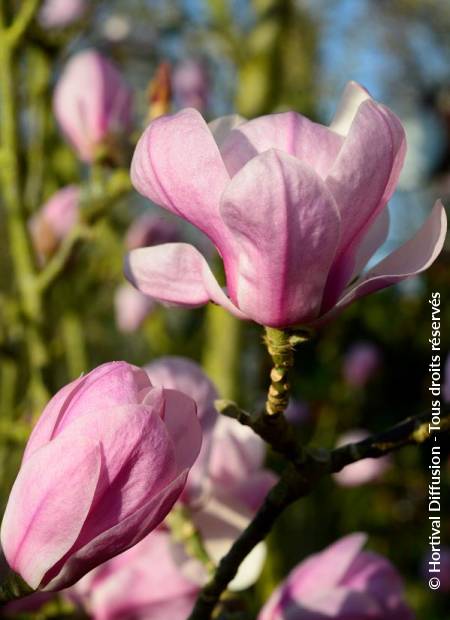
(143, 580)
(253, 490)
(120, 537)
(413, 257)
(220, 522)
(139, 461)
(374, 239)
(176, 273)
(183, 426)
(177, 165)
(45, 514)
(289, 132)
(285, 226)
(221, 127)
(342, 603)
(109, 385)
(236, 452)
(362, 180)
(352, 97)
(326, 569)
(180, 373)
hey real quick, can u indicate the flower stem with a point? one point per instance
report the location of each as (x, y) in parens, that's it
(280, 345)
(19, 242)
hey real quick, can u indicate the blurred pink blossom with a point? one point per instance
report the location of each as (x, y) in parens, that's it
(190, 84)
(54, 220)
(295, 209)
(61, 13)
(341, 583)
(131, 308)
(229, 482)
(105, 463)
(144, 583)
(150, 229)
(92, 103)
(364, 471)
(361, 362)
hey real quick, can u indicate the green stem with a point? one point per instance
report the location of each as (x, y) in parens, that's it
(95, 201)
(221, 350)
(280, 345)
(19, 242)
(73, 336)
(23, 19)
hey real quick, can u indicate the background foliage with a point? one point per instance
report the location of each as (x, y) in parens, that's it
(261, 56)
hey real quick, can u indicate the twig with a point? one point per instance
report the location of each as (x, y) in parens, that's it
(19, 241)
(96, 205)
(60, 259)
(22, 21)
(296, 482)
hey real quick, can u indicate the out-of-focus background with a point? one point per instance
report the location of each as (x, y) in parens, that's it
(369, 368)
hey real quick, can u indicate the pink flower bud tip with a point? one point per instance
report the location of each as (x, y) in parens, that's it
(54, 220)
(104, 464)
(61, 13)
(92, 104)
(191, 85)
(132, 308)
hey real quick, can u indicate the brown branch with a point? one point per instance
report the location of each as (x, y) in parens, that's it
(297, 481)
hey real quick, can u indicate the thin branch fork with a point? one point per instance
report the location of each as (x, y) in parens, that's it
(297, 481)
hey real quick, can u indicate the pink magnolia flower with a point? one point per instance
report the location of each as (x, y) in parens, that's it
(190, 84)
(361, 362)
(236, 484)
(132, 308)
(104, 464)
(143, 583)
(295, 209)
(342, 582)
(229, 482)
(92, 103)
(55, 219)
(61, 13)
(362, 472)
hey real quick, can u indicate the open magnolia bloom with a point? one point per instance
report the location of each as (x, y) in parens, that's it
(295, 209)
